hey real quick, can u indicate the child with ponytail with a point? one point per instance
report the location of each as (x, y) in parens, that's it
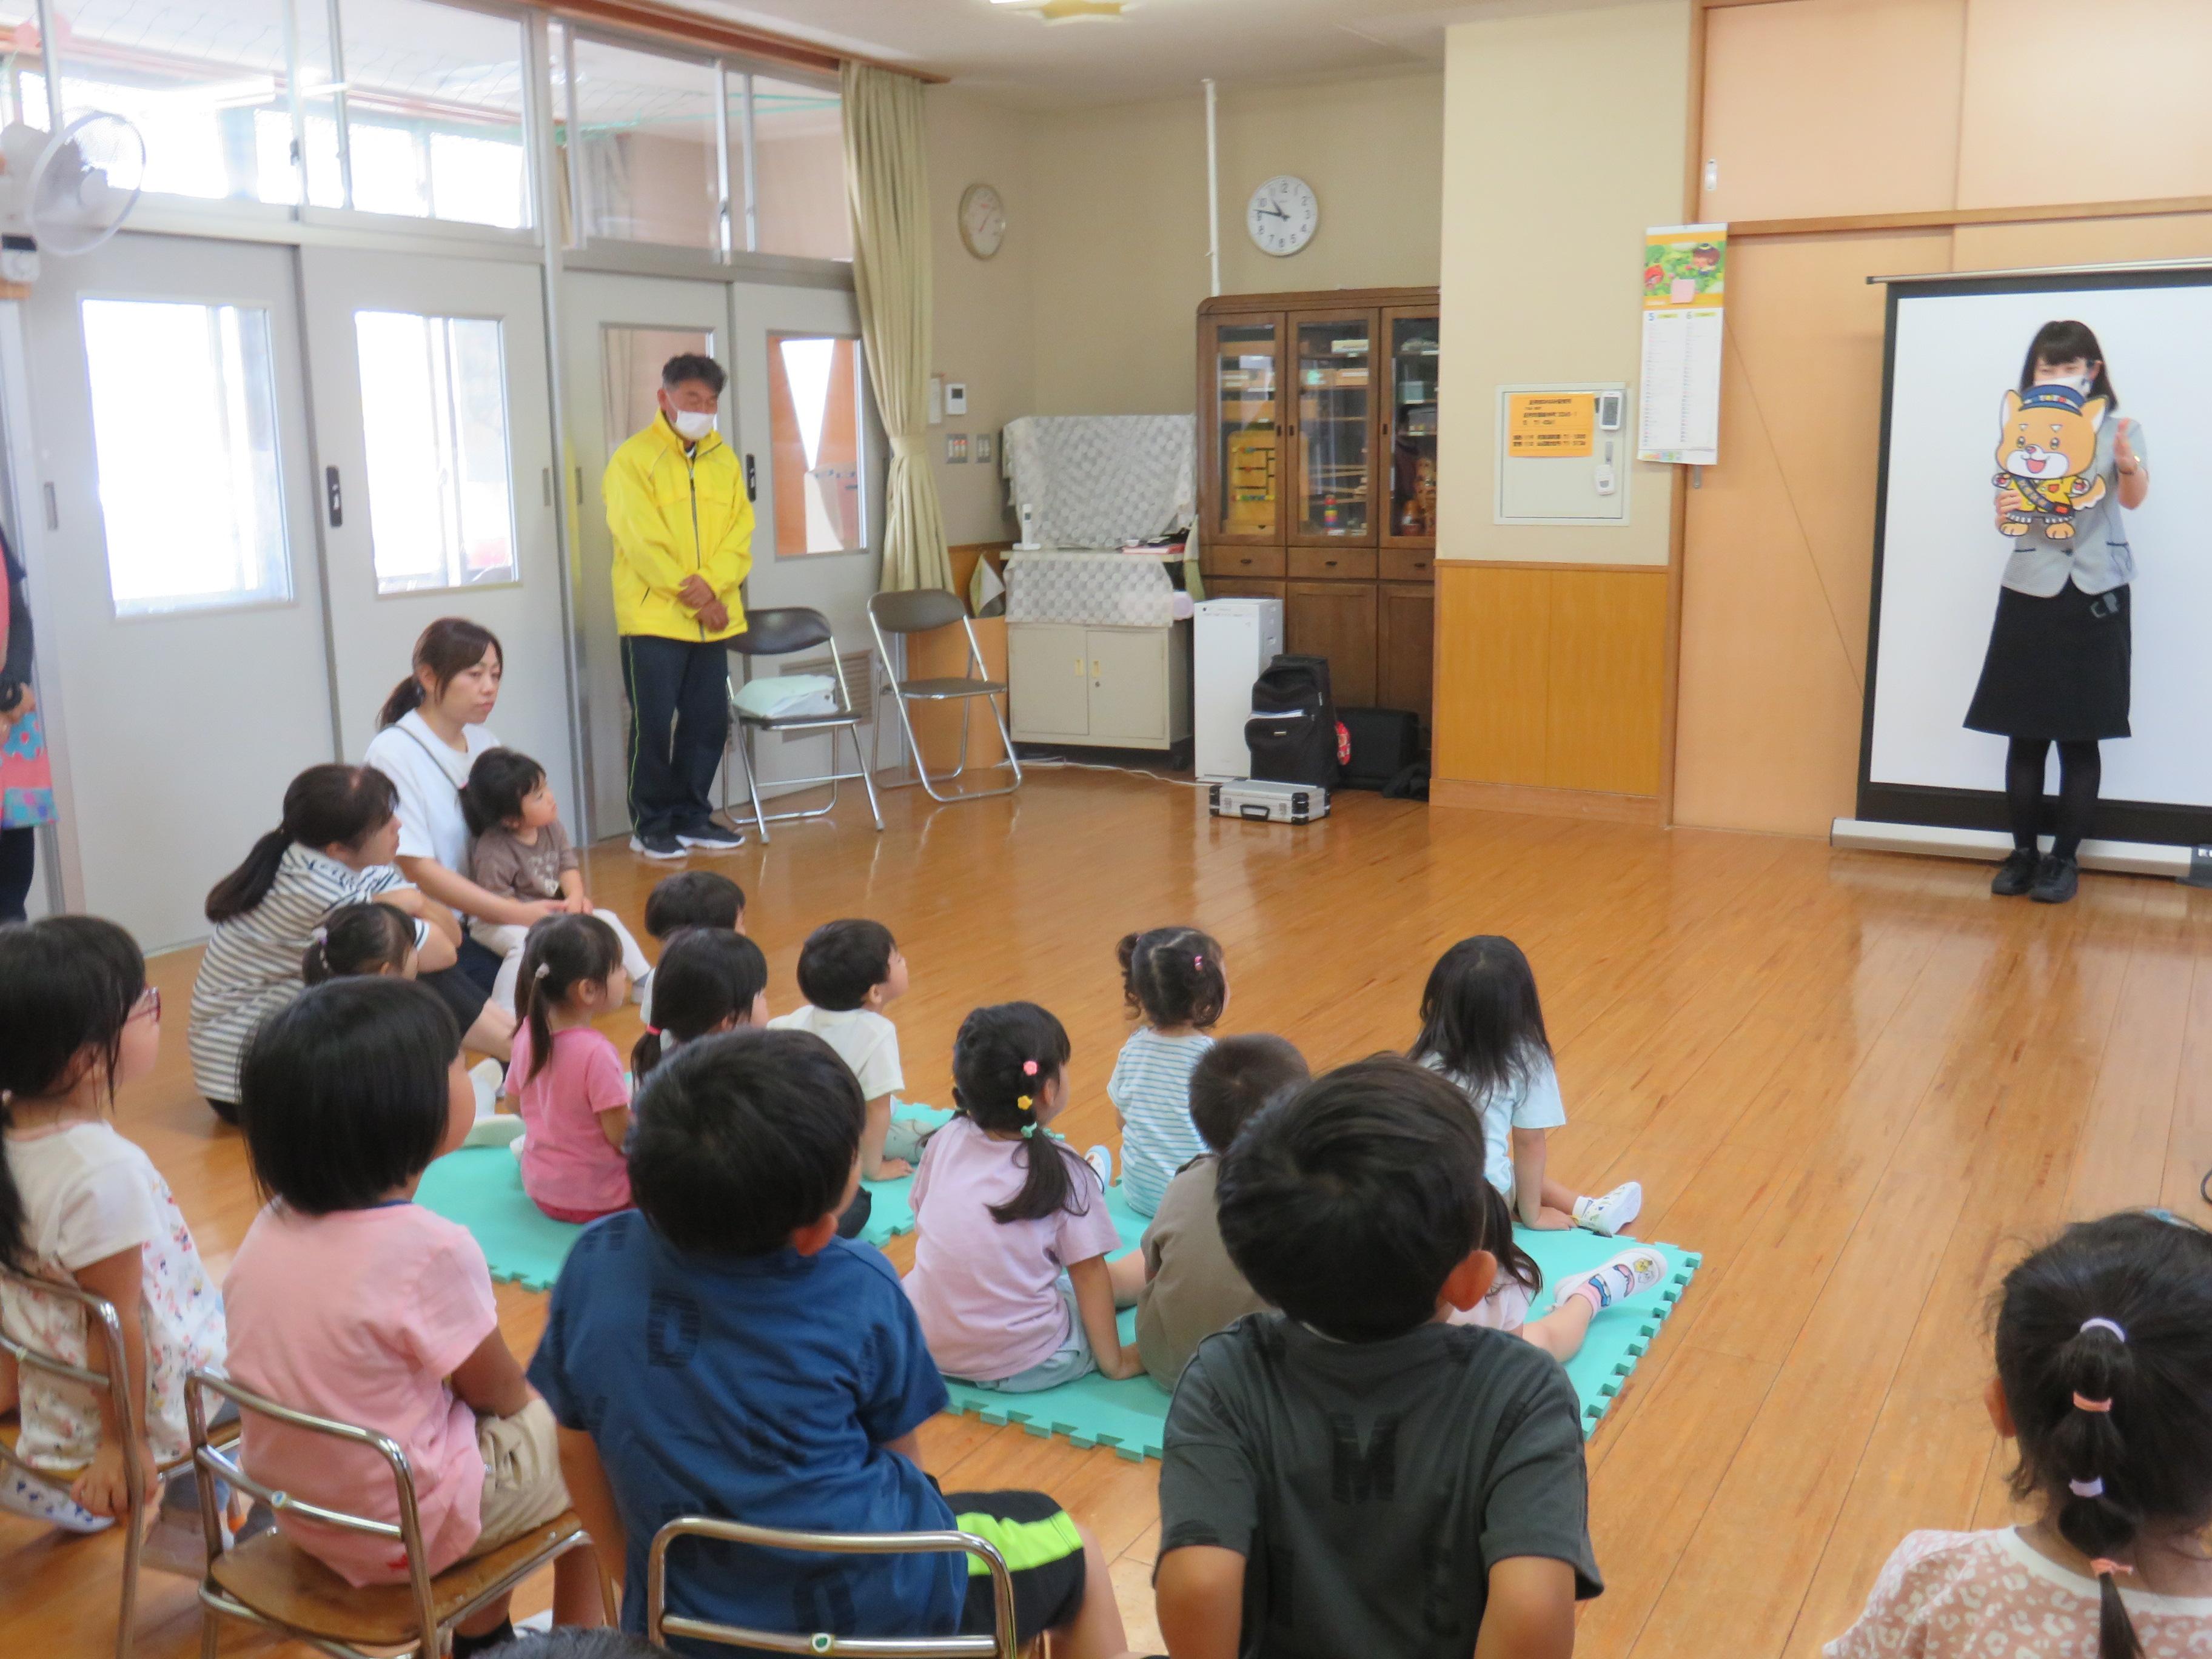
(358, 941)
(1009, 1279)
(566, 1079)
(2104, 1382)
(1173, 982)
(81, 1205)
(714, 980)
(334, 846)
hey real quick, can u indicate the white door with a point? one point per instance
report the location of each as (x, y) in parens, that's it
(173, 566)
(618, 330)
(434, 456)
(1129, 685)
(806, 426)
(1049, 669)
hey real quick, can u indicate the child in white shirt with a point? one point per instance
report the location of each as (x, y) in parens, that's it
(849, 972)
(81, 1205)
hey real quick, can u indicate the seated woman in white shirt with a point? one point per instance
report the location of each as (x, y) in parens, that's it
(432, 729)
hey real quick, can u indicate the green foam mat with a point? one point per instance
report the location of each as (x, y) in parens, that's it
(481, 1188)
(1130, 1416)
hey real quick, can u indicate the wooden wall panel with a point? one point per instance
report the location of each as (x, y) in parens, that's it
(1493, 673)
(1779, 543)
(1608, 675)
(2145, 125)
(1550, 679)
(1873, 128)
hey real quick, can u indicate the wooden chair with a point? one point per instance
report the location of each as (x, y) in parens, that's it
(660, 1623)
(270, 1581)
(920, 612)
(780, 633)
(115, 1380)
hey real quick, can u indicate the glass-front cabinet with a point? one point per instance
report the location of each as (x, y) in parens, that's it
(1317, 476)
(1242, 374)
(1334, 491)
(1409, 415)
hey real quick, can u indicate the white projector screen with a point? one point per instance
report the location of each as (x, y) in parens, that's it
(1954, 347)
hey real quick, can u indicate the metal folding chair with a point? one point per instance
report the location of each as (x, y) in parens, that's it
(660, 1623)
(98, 1316)
(780, 633)
(270, 1581)
(920, 612)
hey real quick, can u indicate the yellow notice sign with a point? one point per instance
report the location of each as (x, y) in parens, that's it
(1550, 424)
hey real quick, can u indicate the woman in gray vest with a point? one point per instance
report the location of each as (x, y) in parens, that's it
(2058, 667)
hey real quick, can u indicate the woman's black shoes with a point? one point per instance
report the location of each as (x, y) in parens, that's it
(2016, 874)
(2056, 879)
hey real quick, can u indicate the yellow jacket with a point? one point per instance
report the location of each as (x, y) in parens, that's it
(675, 516)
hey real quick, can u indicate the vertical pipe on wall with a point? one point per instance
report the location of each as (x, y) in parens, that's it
(1213, 193)
(340, 114)
(50, 64)
(725, 225)
(752, 172)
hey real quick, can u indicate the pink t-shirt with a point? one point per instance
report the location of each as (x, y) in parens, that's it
(566, 1161)
(1953, 1595)
(362, 1316)
(987, 1292)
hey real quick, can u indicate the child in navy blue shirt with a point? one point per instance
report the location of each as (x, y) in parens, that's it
(720, 1351)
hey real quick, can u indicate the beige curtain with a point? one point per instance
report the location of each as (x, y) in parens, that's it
(887, 184)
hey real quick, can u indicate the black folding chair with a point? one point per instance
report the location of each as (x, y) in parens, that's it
(780, 633)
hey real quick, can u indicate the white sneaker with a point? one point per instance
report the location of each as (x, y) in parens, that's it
(1610, 1214)
(1630, 1273)
(1101, 1158)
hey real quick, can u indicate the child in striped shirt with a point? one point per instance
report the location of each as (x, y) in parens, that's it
(1175, 984)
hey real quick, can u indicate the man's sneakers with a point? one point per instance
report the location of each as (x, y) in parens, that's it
(1630, 1273)
(711, 837)
(1612, 1211)
(660, 844)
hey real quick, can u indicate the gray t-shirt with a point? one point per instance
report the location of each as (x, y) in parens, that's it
(1370, 1486)
(501, 862)
(2096, 557)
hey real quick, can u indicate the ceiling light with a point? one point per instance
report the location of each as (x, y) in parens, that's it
(1063, 11)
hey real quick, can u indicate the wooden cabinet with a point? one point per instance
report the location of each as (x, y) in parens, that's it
(1120, 688)
(1317, 432)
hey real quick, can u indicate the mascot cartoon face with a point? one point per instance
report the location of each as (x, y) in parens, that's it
(2046, 447)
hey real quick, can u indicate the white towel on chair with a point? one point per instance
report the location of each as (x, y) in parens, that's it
(783, 696)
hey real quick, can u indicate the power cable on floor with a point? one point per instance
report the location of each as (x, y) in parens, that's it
(1101, 766)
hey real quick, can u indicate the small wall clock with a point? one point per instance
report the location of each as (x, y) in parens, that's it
(983, 220)
(1282, 216)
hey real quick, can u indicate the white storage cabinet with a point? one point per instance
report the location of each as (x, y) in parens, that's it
(1114, 688)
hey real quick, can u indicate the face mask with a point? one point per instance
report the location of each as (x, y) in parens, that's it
(692, 426)
(2080, 383)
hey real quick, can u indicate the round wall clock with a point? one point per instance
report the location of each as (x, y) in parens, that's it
(983, 220)
(1282, 214)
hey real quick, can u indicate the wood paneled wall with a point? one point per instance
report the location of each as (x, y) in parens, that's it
(1549, 677)
(1914, 129)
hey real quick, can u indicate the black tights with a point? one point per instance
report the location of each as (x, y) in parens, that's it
(2080, 771)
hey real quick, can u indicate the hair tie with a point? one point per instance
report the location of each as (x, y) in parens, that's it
(1028, 1131)
(322, 936)
(2086, 1488)
(545, 970)
(2083, 1403)
(2089, 1325)
(1029, 1068)
(652, 1030)
(2101, 1568)
(1198, 960)
(1022, 1103)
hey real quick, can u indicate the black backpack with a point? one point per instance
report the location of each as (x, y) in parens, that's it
(1293, 731)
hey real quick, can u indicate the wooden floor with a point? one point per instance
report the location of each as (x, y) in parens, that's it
(1856, 1083)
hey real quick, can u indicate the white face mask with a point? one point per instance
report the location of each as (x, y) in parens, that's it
(692, 426)
(2080, 383)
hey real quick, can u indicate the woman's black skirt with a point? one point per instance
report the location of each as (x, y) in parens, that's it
(2057, 668)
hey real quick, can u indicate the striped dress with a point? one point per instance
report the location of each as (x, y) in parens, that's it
(1150, 1089)
(252, 967)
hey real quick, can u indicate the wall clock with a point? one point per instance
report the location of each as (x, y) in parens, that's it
(1282, 216)
(983, 220)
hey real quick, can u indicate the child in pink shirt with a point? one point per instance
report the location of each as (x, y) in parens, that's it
(567, 1078)
(2104, 1351)
(1009, 1279)
(348, 1301)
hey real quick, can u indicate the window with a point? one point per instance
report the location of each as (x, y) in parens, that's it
(797, 135)
(645, 146)
(433, 410)
(630, 359)
(814, 439)
(207, 84)
(429, 100)
(191, 505)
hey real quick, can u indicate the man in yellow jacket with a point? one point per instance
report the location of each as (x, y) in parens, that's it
(684, 533)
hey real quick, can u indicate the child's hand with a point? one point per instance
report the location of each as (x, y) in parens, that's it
(892, 1169)
(104, 1487)
(577, 904)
